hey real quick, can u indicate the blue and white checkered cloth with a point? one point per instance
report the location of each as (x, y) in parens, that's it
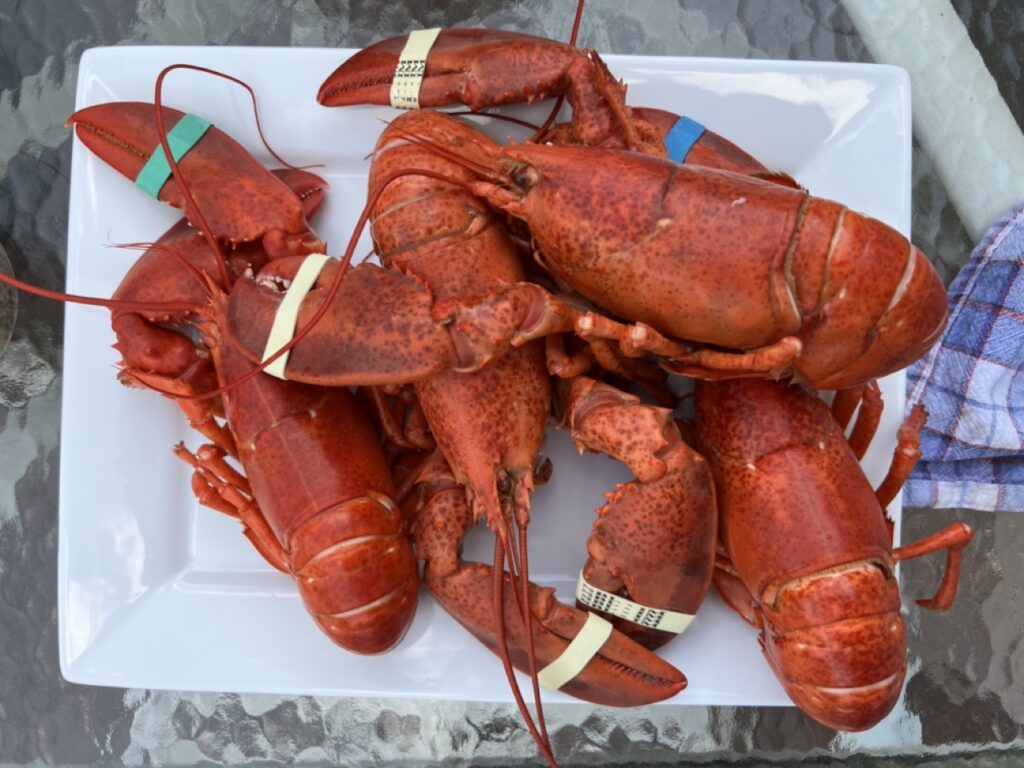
(972, 384)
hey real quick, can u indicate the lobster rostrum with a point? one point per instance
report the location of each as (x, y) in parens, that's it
(807, 551)
(338, 532)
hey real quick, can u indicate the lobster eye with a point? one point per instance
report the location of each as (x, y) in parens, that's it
(524, 176)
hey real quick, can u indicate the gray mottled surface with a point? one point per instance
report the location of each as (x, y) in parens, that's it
(964, 702)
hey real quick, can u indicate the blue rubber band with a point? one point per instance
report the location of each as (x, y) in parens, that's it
(181, 138)
(682, 137)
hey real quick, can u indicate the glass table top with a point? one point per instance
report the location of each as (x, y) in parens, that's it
(964, 699)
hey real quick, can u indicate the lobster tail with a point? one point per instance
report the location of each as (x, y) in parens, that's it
(343, 538)
(356, 573)
(837, 642)
(880, 304)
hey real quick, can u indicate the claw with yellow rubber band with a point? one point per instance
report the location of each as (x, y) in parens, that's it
(576, 652)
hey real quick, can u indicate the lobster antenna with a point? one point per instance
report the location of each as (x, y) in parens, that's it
(255, 110)
(473, 165)
(524, 585)
(200, 219)
(207, 232)
(93, 301)
(498, 584)
(197, 273)
(561, 99)
(497, 116)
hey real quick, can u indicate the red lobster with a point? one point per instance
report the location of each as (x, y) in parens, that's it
(440, 244)
(821, 292)
(808, 556)
(338, 532)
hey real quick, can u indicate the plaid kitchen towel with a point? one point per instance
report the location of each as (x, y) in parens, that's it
(972, 384)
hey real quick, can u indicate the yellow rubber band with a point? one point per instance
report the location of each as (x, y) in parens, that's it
(283, 328)
(577, 655)
(616, 605)
(411, 67)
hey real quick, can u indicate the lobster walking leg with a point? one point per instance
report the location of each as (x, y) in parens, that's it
(220, 488)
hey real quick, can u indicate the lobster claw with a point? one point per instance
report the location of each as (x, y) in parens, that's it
(241, 201)
(622, 673)
(477, 67)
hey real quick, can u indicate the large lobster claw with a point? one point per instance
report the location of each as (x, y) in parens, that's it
(476, 67)
(241, 201)
(622, 673)
(484, 68)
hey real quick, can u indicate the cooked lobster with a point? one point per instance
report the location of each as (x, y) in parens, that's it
(789, 284)
(316, 497)
(807, 552)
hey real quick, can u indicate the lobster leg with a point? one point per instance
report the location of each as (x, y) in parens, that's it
(221, 488)
(734, 592)
(654, 541)
(198, 376)
(621, 674)
(953, 539)
(400, 422)
(867, 420)
(904, 458)
(639, 338)
(845, 403)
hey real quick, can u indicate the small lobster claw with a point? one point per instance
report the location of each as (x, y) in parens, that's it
(240, 199)
(476, 67)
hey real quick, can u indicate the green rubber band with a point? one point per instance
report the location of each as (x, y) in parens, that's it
(181, 138)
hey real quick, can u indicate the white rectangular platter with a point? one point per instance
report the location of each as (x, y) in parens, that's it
(158, 592)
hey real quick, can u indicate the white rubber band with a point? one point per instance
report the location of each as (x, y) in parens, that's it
(577, 655)
(645, 616)
(283, 328)
(412, 65)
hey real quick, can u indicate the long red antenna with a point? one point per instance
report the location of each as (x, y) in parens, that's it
(196, 214)
(93, 301)
(561, 99)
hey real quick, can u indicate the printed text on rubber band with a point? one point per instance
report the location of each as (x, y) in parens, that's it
(623, 608)
(411, 67)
